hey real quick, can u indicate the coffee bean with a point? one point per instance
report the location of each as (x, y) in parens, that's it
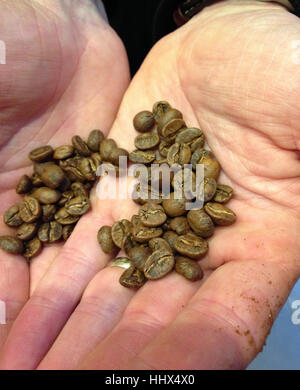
(36, 180)
(132, 278)
(65, 184)
(30, 209)
(27, 231)
(63, 152)
(105, 240)
(179, 154)
(188, 268)
(171, 238)
(211, 166)
(164, 148)
(78, 206)
(64, 218)
(50, 232)
(121, 262)
(46, 195)
(65, 197)
(185, 181)
(106, 147)
(143, 234)
(116, 154)
(170, 115)
(119, 232)
(191, 136)
(79, 189)
(143, 121)
(201, 223)
(80, 146)
(223, 193)
(71, 167)
(158, 265)
(146, 141)
(221, 215)
(159, 109)
(52, 176)
(174, 207)
(152, 215)
(171, 129)
(180, 225)
(67, 230)
(32, 248)
(24, 185)
(138, 256)
(11, 245)
(88, 168)
(41, 154)
(142, 156)
(94, 140)
(191, 246)
(12, 216)
(210, 186)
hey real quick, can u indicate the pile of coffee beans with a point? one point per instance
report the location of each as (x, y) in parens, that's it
(56, 195)
(165, 235)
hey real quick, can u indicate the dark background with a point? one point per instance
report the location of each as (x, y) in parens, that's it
(140, 23)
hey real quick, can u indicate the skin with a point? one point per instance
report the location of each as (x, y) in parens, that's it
(232, 71)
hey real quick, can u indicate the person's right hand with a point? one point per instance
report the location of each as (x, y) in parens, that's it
(65, 74)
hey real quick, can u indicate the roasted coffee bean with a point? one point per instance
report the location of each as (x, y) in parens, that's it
(63, 152)
(48, 212)
(171, 129)
(198, 154)
(88, 168)
(105, 240)
(158, 264)
(30, 209)
(80, 146)
(211, 166)
(64, 218)
(170, 115)
(164, 148)
(201, 223)
(116, 154)
(132, 278)
(191, 246)
(192, 136)
(50, 232)
(94, 140)
(188, 268)
(138, 256)
(52, 176)
(27, 231)
(209, 188)
(180, 225)
(106, 147)
(143, 121)
(185, 181)
(152, 215)
(79, 189)
(67, 230)
(24, 185)
(223, 193)
(142, 156)
(12, 216)
(159, 244)
(220, 214)
(179, 154)
(119, 232)
(46, 195)
(78, 206)
(142, 195)
(159, 109)
(174, 207)
(143, 234)
(36, 180)
(97, 160)
(32, 248)
(11, 245)
(71, 167)
(43, 153)
(171, 238)
(128, 243)
(135, 220)
(146, 141)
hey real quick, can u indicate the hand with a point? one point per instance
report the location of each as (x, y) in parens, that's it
(231, 71)
(65, 74)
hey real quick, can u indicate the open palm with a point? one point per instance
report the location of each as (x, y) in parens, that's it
(232, 71)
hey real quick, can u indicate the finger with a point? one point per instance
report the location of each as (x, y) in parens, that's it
(99, 310)
(226, 323)
(150, 310)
